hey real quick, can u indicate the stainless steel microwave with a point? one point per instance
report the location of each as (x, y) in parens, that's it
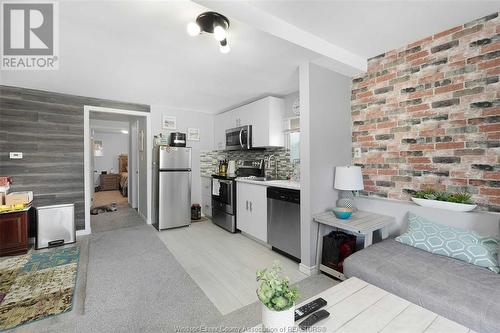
(239, 138)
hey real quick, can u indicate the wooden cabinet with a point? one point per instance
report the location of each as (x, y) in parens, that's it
(266, 116)
(14, 233)
(206, 196)
(251, 210)
(109, 182)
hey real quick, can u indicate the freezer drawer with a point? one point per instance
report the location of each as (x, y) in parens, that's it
(174, 201)
(55, 225)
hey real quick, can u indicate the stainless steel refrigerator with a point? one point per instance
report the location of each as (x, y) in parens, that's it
(172, 187)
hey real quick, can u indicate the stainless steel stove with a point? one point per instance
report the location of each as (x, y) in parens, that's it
(224, 193)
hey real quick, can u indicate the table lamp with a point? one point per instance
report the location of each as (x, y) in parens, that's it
(348, 179)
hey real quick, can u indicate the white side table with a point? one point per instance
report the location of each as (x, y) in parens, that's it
(360, 223)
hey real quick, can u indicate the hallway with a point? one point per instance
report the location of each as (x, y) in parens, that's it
(124, 217)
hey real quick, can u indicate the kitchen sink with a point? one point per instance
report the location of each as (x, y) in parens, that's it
(276, 182)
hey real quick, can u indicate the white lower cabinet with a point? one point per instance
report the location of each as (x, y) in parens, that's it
(251, 210)
(206, 196)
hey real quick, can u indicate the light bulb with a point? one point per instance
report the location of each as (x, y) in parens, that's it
(193, 29)
(219, 33)
(225, 48)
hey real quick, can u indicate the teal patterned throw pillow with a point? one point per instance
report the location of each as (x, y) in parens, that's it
(461, 244)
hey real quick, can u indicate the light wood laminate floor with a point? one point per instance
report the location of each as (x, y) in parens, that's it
(224, 264)
(103, 198)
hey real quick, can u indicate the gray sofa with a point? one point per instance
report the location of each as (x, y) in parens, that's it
(464, 293)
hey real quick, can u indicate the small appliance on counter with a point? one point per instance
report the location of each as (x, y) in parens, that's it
(223, 167)
(231, 167)
(177, 139)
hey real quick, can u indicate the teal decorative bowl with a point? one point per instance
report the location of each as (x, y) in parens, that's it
(342, 212)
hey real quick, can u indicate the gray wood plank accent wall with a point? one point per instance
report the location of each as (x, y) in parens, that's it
(47, 128)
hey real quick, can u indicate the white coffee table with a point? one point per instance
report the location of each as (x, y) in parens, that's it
(357, 306)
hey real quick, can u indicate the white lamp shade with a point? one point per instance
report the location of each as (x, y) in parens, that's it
(348, 178)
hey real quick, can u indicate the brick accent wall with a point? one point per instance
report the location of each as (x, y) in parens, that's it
(427, 115)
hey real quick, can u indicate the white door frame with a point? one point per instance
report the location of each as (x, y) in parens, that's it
(133, 161)
(86, 158)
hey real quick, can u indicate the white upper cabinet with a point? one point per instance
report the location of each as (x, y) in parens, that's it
(266, 117)
(221, 124)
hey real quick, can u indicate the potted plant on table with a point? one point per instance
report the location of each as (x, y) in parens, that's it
(278, 299)
(451, 201)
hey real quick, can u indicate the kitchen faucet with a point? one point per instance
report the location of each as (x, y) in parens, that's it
(275, 165)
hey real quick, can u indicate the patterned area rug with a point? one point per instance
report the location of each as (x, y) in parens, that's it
(37, 285)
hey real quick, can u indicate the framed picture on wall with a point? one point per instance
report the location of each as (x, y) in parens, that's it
(141, 140)
(169, 123)
(193, 134)
(98, 151)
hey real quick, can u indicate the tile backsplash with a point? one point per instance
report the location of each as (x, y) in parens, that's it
(209, 160)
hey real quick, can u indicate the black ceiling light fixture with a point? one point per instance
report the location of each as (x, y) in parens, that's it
(213, 23)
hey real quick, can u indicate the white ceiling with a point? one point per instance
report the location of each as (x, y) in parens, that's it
(369, 28)
(140, 52)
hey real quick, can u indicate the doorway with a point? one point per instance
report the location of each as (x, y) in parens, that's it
(117, 168)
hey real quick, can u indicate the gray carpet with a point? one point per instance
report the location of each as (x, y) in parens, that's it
(124, 217)
(134, 284)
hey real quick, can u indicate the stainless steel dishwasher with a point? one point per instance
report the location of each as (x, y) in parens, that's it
(283, 221)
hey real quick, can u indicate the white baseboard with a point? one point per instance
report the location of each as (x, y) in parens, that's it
(256, 239)
(148, 221)
(83, 232)
(308, 270)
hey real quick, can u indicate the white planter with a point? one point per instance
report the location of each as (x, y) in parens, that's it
(458, 207)
(278, 321)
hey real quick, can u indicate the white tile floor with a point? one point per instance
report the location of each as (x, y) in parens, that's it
(224, 264)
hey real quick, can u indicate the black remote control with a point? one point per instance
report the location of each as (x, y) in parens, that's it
(313, 319)
(309, 308)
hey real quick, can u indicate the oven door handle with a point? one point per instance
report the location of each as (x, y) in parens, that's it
(229, 182)
(241, 141)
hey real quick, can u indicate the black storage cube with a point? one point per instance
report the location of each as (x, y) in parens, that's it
(337, 246)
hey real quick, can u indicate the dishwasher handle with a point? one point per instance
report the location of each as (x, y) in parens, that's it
(283, 194)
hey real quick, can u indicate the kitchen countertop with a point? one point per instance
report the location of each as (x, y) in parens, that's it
(277, 183)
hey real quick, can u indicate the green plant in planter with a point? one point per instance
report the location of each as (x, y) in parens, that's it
(274, 290)
(430, 194)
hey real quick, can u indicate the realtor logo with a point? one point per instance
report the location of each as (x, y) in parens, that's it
(30, 36)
